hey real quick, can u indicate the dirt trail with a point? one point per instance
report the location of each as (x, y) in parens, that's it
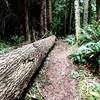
(56, 83)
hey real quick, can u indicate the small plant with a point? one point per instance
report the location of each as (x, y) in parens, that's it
(90, 33)
(71, 39)
(77, 74)
(33, 93)
(3, 45)
(15, 40)
(89, 89)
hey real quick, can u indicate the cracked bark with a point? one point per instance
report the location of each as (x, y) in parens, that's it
(18, 66)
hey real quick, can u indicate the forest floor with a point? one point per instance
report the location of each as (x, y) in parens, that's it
(59, 77)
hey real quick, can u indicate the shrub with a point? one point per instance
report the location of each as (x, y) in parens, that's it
(71, 39)
(14, 40)
(89, 46)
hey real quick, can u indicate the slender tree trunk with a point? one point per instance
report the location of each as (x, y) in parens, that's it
(45, 15)
(3, 30)
(77, 18)
(89, 11)
(24, 19)
(70, 19)
(65, 22)
(98, 9)
(27, 24)
(41, 17)
(85, 15)
(50, 11)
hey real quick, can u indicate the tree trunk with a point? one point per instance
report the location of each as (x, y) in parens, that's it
(70, 18)
(24, 19)
(27, 24)
(98, 9)
(45, 16)
(77, 18)
(65, 21)
(18, 66)
(85, 14)
(89, 11)
(50, 13)
(41, 17)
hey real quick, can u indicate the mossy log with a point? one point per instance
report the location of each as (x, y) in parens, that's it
(18, 66)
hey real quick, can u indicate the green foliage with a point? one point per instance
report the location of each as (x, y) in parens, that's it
(58, 15)
(86, 52)
(90, 33)
(77, 74)
(89, 46)
(89, 89)
(56, 24)
(71, 39)
(4, 47)
(14, 40)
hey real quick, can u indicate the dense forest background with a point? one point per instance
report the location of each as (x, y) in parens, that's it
(33, 19)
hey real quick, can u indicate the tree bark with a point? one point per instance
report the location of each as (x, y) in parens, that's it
(70, 18)
(18, 66)
(50, 11)
(77, 18)
(90, 11)
(24, 19)
(27, 23)
(85, 14)
(98, 9)
(41, 17)
(45, 15)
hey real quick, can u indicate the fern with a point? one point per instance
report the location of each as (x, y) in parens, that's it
(89, 46)
(71, 39)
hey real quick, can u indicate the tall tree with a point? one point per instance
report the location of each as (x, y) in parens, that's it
(77, 18)
(27, 23)
(24, 19)
(45, 16)
(98, 9)
(50, 12)
(41, 16)
(85, 13)
(71, 14)
(90, 11)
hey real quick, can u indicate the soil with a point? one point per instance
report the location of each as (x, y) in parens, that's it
(54, 79)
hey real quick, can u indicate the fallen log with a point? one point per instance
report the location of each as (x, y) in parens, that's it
(18, 66)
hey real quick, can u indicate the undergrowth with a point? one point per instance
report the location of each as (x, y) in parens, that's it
(88, 86)
(4, 47)
(87, 53)
(34, 93)
(88, 46)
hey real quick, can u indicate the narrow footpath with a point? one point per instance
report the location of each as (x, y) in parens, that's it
(54, 78)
